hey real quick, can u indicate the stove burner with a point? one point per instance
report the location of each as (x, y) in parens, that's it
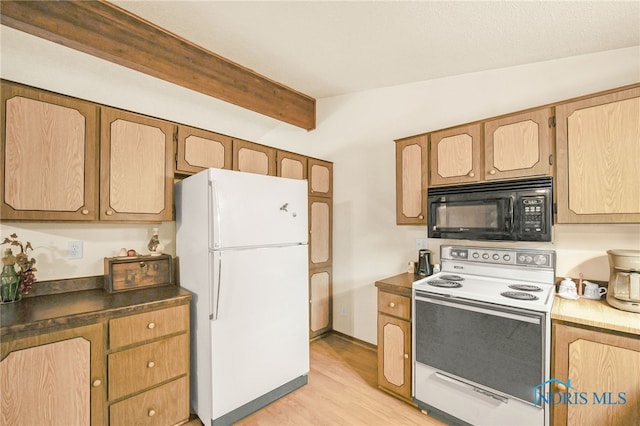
(518, 295)
(525, 287)
(451, 277)
(444, 283)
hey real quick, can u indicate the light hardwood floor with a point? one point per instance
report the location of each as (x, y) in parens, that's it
(342, 390)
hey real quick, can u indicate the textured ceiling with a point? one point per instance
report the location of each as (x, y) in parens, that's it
(329, 48)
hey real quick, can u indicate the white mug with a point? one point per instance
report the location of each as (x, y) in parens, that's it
(592, 291)
(568, 287)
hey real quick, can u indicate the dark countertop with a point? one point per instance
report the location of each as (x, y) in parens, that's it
(398, 284)
(40, 314)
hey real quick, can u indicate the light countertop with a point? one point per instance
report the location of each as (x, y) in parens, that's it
(595, 313)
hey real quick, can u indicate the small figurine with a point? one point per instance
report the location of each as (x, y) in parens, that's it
(154, 246)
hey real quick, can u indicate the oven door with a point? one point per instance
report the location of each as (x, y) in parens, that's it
(495, 351)
(470, 217)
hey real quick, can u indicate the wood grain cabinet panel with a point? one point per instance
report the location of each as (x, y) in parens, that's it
(598, 363)
(56, 378)
(147, 326)
(199, 149)
(136, 167)
(320, 231)
(48, 156)
(320, 178)
(290, 165)
(455, 155)
(598, 147)
(251, 157)
(411, 181)
(394, 355)
(519, 145)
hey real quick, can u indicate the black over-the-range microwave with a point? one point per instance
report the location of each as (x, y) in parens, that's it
(515, 210)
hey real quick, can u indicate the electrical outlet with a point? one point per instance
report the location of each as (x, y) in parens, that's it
(343, 311)
(421, 243)
(74, 250)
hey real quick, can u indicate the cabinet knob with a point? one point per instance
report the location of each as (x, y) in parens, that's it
(392, 305)
(85, 212)
(151, 325)
(560, 387)
(151, 364)
(109, 212)
(151, 412)
(406, 356)
(96, 383)
(471, 174)
(492, 172)
(420, 217)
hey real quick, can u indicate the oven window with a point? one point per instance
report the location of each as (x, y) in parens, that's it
(504, 354)
(471, 216)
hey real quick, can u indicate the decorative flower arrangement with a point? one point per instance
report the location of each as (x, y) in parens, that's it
(22, 260)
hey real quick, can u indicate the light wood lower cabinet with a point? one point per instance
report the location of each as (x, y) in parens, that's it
(148, 364)
(394, 343)
(320, 302)
(57, 378)
(603, 368)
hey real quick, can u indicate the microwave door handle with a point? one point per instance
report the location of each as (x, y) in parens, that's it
(510, 219)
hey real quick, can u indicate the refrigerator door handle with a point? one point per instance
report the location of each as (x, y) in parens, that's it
(214, 215)
(215, 291)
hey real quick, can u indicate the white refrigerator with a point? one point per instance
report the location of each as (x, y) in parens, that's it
(241, 242)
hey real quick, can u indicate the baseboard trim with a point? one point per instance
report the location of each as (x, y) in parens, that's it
(354, 340)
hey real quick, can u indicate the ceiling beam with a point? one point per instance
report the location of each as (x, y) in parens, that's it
(104, 30)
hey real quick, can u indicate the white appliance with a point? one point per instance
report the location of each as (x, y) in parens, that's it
(482, 336)
(242, 250)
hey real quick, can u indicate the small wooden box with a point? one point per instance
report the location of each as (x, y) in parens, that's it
(131, 273)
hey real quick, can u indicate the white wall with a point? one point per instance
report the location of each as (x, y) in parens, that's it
(354, 131)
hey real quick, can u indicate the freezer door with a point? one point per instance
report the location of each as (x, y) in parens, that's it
(249, 210)
(260, 337)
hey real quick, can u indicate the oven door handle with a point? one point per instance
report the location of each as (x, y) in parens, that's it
(484, 392)
(531, 320)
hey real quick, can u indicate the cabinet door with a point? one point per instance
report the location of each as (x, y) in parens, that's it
(600, 365)
(136, 167)
(48, 156)
(320, 230)
(518, 145)
(394, 355)
(598, 147)
(289, 165)
(411, 181)
(199, 149)
(320, 306)
(253, 158)
(56, 378)
(320, 178)
(455, 155)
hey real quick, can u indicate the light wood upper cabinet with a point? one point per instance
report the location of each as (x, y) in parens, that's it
(136, 167)
(48, 156)
(320, 228)
(518, 145)
(199, 149)
(290, 165)
(254, 158)
(598, 147)
(320, 178)
(455, 155)
(64, 368)
(601, 363)
(411, 181)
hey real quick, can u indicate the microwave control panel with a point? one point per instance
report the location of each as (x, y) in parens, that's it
(533, 214)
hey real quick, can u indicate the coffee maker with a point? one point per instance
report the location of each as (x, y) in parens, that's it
(424, 263)
(624, 280)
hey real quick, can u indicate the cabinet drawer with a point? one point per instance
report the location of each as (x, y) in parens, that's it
(137, 368)
(149, 325)
(164, 405)
(393, 304)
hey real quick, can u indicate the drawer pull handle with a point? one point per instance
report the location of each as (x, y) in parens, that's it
(96, 383)
(151, 325)
(392, 305)
(151, 364)
(142, 264)
(85, 212)
(151, 412)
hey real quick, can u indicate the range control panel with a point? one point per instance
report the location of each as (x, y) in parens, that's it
(517, 257)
